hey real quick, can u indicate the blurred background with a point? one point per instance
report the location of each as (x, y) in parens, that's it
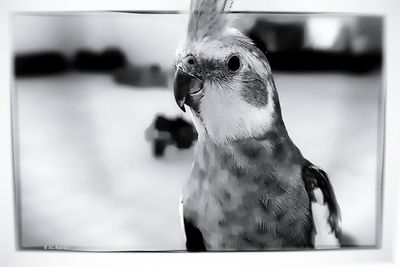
(102, 151)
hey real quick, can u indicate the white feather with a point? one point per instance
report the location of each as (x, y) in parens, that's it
(181, 216)
(325, 238)
(226, 116)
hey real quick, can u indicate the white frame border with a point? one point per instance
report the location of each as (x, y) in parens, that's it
(386, 255)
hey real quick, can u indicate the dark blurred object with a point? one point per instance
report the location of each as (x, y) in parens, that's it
(357, 50)
(163, 132)
(313, 60)
(274, 37)
(40, 63)
(109, 60)
(143, 76)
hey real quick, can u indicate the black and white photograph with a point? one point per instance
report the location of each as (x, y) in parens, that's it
(203, 130)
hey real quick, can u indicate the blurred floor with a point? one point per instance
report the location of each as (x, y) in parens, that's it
(87, 177)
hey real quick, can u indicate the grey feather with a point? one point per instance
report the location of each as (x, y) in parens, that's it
(207, 18)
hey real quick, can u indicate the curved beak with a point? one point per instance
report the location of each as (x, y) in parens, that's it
(185, 85)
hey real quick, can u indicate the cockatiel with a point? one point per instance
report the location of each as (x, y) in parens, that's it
(250, 187)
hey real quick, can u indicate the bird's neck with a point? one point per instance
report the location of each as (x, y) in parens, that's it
(274, 146)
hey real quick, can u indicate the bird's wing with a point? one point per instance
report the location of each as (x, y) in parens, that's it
(324, 207)
(194, 237)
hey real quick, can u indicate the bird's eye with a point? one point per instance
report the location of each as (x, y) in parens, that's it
(191, 61)
(234, 63)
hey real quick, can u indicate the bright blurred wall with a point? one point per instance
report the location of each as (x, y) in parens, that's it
(69, 32)
(160, 36)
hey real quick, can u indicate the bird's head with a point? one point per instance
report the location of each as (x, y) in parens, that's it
(223, 78)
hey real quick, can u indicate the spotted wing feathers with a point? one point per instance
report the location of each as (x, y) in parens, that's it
(325, 209)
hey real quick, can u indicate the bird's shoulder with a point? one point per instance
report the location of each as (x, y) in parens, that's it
(193, 235)
(324, 206)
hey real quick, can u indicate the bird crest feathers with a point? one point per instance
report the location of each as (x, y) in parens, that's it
(207, 18)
